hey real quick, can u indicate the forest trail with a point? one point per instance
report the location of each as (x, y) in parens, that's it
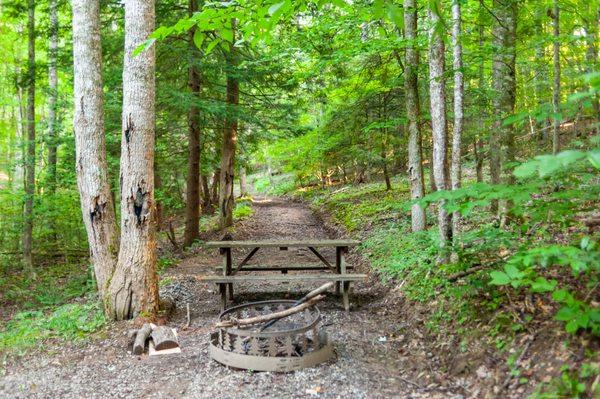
(373, 359)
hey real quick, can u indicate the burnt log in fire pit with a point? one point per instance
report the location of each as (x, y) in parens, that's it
(291, 343)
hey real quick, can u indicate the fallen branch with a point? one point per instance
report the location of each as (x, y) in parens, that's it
(264, 318)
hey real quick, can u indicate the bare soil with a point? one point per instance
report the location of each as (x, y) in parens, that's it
(382, 347)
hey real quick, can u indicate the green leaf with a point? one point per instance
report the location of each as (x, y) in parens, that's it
(542, 285)
(227, 35)
(548, 164)
(199, 37)
(572, 327)
(396, 15)
(499, 278)
(211, 45)
(143, 47)
(513, 272)
(561, 295)
(526, 169)
(273, 9)
(594, 158)
(565, 313)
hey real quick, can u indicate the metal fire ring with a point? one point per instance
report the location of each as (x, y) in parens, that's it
(292, 343)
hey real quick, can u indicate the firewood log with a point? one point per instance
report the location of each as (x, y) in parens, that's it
(164, 338)
(140, 339)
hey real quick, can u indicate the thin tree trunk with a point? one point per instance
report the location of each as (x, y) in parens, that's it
(134, 285)
(226, 198)
(415, 149)
(192, 200)
(556, 90)
(30, 155)
(97, 205)
(503, 77)
(437, 88)
(478, 151)
(541, 73)
(591, 54)
(214, 187)
(52, 96)
(206, 197)
(458, 107)
(243, 183)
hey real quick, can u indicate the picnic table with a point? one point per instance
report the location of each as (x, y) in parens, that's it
(338, 270)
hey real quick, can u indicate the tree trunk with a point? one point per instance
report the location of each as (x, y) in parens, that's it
(478, 151)
(437, 88)
(503, 77)
(243, 183)
(52, 96)
(192, 200)
(30, 154)
(591, 54)
(214, 187)
(159, 205)
(96, 198)
(541, 73)
(415, 150)
(556, 89)
(478, 142)
(206, 197)
(458, 107)
(226, 198)
(134, 285)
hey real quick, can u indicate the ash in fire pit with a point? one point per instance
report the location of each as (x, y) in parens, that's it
(294, 342)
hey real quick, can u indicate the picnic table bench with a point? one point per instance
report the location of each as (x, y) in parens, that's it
(339, 268)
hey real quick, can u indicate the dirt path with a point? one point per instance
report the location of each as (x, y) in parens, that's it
(373, 359)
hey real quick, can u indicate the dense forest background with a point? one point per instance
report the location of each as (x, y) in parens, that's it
(460, 140)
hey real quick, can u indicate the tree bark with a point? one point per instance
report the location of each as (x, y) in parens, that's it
(556, 88)
(458, 107)
(415, 150)
(226, 198)
(437, 88)
(591, 54)
(192, 200)
(504, 86)
(134, 286)
(243, 182)
(30, 154)
(206, 196)
(52, 96)
(96, 198)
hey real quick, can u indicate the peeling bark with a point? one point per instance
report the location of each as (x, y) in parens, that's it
(134, 287)
(88, 124)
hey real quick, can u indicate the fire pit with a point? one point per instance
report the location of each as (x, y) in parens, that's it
(291, 343)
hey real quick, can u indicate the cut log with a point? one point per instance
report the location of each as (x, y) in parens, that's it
(163, 337)
(140, 339)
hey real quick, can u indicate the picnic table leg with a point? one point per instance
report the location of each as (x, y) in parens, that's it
(340, 264)
(345, 295)
(227, 270)
(223, 291)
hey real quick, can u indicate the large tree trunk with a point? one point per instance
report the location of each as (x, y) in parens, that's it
(96, 198)
(556, 89)
(415, 151)
(504, 86)
(458, 107)
(192, 200)
(134, 286)
(226, 198)
(30, 154)
(52, 96)
(437, 88)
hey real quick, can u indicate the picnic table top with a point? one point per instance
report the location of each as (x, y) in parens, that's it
(282, 243)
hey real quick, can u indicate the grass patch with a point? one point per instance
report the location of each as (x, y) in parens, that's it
(29, 329)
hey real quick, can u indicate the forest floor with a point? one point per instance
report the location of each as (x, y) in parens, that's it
(382, 348)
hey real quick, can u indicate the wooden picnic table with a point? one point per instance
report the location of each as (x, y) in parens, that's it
(339, 268)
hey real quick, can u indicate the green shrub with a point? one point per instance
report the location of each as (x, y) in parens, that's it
(242, 212)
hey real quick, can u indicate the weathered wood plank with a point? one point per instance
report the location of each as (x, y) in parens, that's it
(276, 268)
(281, 243)
(286, 277)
